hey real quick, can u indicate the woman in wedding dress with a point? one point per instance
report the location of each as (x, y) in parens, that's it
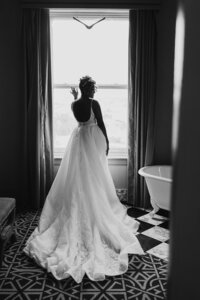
(83, 227)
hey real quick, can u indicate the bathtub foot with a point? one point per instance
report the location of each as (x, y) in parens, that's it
(155, 208)
(153, 212)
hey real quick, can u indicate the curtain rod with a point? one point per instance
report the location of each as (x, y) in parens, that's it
(131, 4)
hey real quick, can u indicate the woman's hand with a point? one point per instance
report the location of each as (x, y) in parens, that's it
(74, 92)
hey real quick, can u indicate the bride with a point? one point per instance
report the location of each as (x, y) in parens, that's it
(83, 227)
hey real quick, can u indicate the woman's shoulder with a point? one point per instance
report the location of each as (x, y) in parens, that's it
(74, 103)
(95, 103)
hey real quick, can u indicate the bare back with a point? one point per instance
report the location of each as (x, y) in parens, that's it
(82, 109)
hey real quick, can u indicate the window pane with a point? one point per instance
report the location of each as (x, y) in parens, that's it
(114, 109)
(101, 52)
(63, 120)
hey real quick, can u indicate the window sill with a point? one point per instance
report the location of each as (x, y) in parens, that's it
(113, 159)
(116, 154)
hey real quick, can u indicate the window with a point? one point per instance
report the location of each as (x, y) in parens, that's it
(101, 52)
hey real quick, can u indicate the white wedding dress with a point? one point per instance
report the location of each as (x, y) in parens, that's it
(83, 228)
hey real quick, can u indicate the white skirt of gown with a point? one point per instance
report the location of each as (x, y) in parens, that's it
(83, 228)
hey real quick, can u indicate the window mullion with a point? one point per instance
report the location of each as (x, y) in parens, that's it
(100, 86)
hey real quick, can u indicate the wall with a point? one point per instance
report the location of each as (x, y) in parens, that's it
(165, 68)
(91, 3)
(10, 99)
(185, 218)
(119, 171)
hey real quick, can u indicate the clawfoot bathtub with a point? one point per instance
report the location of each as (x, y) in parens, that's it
(159, 181)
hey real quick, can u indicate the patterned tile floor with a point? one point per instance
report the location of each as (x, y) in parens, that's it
(146, 278)
(153, 232)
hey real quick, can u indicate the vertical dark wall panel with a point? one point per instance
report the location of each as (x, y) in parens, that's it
(185, 220)
(10, 98)
(165, 69)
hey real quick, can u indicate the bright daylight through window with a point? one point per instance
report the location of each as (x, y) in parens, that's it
(101, 52)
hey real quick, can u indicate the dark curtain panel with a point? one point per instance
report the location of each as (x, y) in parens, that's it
(38, 151)
(142, 84)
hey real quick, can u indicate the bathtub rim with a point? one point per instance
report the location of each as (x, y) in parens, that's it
(142, 172)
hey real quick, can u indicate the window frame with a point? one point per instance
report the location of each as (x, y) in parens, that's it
(114, 153)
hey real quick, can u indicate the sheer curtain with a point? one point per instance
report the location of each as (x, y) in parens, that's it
(142, 96)
(38, 138)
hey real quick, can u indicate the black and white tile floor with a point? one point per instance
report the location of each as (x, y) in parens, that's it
(146, 278)
(153, 232)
